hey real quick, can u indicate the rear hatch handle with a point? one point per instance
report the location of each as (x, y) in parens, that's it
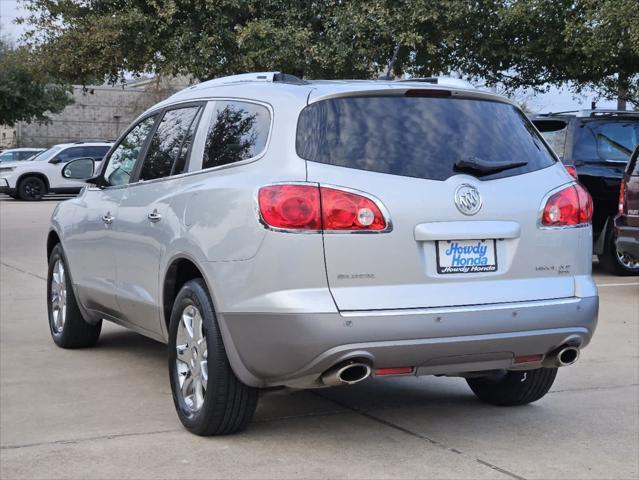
(475, 230)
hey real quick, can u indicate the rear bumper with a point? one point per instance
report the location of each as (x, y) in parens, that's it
(627, 237)
(295, 349)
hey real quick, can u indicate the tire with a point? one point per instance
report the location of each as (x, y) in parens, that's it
(66, 323)
(215, 401)
(32, 189)
(513, 388)
(614, 262)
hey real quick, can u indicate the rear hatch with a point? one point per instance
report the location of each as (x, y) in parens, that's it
(463, 181)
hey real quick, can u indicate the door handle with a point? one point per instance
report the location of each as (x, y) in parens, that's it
(154, 216)
(108, 219)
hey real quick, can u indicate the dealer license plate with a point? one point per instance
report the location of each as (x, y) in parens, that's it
(466, 256)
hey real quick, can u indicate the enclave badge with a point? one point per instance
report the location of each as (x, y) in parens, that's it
(467, 199)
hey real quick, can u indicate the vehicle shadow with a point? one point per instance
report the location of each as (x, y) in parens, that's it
(425, 396)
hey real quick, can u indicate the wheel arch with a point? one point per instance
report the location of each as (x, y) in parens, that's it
(52, 240)
(40, 175)
(180, 270)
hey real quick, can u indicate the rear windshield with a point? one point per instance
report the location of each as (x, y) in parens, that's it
(613, 141)
(419, 137)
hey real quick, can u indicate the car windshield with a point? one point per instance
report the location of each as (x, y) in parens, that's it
(424, 137)
(608, 140)
(46, 155)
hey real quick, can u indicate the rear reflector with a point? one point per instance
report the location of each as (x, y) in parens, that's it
(528, 359)
(394, 371)
(298, 207)
(571, 206)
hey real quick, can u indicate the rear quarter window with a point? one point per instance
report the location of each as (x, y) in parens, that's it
(238, 131)
(418, 137)
(554, 131)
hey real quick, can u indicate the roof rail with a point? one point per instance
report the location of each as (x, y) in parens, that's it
(272, 77)
(591, 113)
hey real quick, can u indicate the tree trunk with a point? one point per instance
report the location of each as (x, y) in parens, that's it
(622, 93)
(621, 103)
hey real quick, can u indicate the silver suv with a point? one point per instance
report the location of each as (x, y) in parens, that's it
(278, 232)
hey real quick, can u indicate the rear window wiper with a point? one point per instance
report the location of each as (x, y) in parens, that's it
(478, 165)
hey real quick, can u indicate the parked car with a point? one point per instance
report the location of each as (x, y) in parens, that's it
(286, 233)
(33, 179)
(17, 154)
(595, 146)
(627, 221)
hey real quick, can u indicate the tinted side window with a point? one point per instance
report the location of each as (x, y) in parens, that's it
(122, 160)
(554, 131)
(167, 143)
(606, 140)
(96, 152)
(70, 154)
(420, 137)
(239, 131)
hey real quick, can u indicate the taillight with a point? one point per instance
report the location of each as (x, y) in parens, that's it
(291, 207)
(622, 197)
(569, 207)
(348, 211)
(313, 208)
(572, 171)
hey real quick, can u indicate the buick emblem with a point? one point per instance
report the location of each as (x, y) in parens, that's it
(467, 199)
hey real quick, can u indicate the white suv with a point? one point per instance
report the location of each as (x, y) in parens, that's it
(33, 179)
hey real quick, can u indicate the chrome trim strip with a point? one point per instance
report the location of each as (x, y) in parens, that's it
(460, 309)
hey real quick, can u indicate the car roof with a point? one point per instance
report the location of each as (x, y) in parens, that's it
(275, 87)
(80, 144)
(24, 149)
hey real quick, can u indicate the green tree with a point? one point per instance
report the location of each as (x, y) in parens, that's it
(586, 44)
(84, 40)
(26, 94)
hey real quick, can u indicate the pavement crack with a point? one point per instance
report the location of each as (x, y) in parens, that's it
(419, 436)
(585, 389)
(87, 439)
(23, 271)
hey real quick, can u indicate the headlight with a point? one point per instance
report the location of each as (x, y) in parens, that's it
(4, 171)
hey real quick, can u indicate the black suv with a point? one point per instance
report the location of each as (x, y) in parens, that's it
(595, 146)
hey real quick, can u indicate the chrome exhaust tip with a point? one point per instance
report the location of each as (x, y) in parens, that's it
(567, 356)
(346, 373)
(562, 357)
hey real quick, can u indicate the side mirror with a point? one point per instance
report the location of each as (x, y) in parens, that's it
(79, 169)
(55, 160)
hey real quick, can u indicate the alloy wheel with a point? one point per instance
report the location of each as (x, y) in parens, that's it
(58, 296)
(191, 360)
(33, 189)
(627, 261)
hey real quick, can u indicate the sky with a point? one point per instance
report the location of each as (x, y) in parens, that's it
(555, 100)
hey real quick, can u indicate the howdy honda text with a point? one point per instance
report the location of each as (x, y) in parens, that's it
(467, 256)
